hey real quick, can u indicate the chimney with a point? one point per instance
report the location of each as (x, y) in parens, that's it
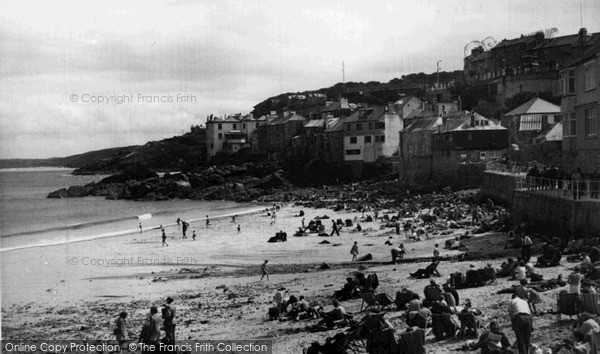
(583, 34)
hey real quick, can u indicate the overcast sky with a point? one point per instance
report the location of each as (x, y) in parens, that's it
(57, 57)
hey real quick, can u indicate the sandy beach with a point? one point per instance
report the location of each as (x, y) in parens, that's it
(76, 290)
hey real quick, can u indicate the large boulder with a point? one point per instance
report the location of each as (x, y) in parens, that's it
(77, 191)
(61, 193)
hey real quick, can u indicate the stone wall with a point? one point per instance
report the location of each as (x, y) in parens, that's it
(559, 215)
(499, 187)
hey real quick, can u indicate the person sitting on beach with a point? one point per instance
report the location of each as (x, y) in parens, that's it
(427, 272)
(520, 272)
(587, 288)
(550, 257)
(492, 341)
(358, 227)
(398, 252)
(574, 281)
(329, 318)
(348, 290)
(300, 308)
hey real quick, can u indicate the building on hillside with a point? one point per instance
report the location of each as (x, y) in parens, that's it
(529, 120)
(407, 105)
(275, 136)
(462, 148)
(580, 105)
(554, 135)
(526, 64)
(372, 133)
(229, 134)
(341, 108)
(472, 139)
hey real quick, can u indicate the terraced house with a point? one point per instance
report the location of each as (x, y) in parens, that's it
(580, 103)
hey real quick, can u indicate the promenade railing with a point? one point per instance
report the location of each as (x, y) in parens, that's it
(506, 168)
(560, 188)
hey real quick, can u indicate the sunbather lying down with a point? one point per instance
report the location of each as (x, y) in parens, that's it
(427, 272)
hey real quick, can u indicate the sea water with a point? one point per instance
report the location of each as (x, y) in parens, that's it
(29, 219)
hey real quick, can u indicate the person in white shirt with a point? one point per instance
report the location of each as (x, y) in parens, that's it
(522, 323)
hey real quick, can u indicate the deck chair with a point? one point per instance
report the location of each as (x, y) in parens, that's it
(590, 303)
(402, 299)
(567, 304)
(353, 340)
(412, 342)
(369, 300)
(384, 300)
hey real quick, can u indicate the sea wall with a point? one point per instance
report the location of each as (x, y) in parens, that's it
(557, 214)
(499, 187)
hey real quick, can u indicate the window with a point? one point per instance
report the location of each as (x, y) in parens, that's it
(358, 126)
(220, 126)
(367, 138)
(370, 125)
(557, 118)
(382, 138)
(243, 125)
(376, 138)
(590, 75)
(353, 140)
(220, 136)
(212, 146)
(531, 122)
(570, 83)
(573, 124)
(234, 126)
(348, 127)
(590, 122)
(380, 125)
(353, 152)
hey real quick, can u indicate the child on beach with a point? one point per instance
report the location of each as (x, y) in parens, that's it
(263, 269)
(207, 221)
(121, 327)
(194, 235)
(141, 230)
(164, 238)
(354, 251)
(239, 228)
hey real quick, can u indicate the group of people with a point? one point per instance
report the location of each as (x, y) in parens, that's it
(550, 177)
(151, 329)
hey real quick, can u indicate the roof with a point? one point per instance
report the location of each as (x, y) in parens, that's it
(552, 133)
(571, 39)
(509, 42)
(534, 105)
(465, 124)
(424, 124)
(315, 123)
(375, 115)
(342, 104)
(414, 113)
(590, 53)
(287, 118)
(336, 124)
(404, 101)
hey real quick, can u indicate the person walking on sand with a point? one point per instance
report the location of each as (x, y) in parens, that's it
(178, 223)
(303, 223)
(141, 230)
(335, 229)
(120, 330)
(169, 320)
(184, 228)
(194, 235)
(207, 221)
(354, 251)
(164, 238)
(263, 269)
(239, 228)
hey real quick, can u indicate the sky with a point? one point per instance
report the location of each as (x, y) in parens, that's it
(77, 76)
